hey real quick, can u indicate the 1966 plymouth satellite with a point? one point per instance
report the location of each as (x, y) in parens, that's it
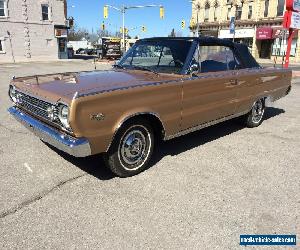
(161, 88)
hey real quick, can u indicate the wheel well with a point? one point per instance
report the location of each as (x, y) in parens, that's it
(154, 121)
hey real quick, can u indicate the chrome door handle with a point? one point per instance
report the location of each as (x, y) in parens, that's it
(234, 82)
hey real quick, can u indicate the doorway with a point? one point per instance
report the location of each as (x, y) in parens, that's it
(265, 49)
(62, 48)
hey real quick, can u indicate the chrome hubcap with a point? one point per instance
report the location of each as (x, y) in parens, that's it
(133, 147)
(257, 111)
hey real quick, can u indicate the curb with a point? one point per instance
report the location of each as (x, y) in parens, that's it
(296, 74)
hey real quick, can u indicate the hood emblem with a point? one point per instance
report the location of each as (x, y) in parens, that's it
(97, 117)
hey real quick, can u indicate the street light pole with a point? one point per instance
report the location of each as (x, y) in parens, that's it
(123, 11)
(123, 29)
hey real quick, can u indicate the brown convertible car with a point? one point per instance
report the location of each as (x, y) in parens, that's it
(162, 88)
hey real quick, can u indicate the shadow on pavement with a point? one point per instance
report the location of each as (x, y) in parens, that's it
(203, 136)
(83, 57)
(95, 165)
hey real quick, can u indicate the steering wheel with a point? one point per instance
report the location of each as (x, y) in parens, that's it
(177, 63)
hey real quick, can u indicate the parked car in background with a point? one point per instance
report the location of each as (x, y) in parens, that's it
(192, 84)
(80, 51)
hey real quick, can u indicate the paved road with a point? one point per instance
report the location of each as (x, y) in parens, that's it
(204, 190)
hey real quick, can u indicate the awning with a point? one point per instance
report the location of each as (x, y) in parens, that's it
(239, 33)
(264, 33)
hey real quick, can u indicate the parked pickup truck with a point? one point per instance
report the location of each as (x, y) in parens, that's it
(191, 84)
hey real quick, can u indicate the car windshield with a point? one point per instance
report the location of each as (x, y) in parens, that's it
(159, 56)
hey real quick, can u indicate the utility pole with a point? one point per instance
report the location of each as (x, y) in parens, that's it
(123, 10)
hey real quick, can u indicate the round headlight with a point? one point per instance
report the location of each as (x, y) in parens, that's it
(63, 115)
(12, 93)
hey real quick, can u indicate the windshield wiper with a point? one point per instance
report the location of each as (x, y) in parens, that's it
(144, 68)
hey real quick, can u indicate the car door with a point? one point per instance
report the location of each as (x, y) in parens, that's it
(211, 92)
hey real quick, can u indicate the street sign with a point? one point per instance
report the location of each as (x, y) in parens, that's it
(232, 25)
(293, 5)
(291, 20)
(295, 20)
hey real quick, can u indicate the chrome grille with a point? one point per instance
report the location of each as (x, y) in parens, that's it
(38, 107)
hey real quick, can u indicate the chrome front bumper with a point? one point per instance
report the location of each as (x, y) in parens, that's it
(78, 147)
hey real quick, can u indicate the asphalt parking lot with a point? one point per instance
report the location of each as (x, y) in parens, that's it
(204, 190)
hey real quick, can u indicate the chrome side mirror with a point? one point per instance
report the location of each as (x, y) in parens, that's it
(194, 68)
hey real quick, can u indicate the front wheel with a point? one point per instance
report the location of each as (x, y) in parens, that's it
(131, 149)
(255, 117)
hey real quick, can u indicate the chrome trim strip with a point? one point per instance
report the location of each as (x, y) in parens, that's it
(31, 95)
(78, 147)
(130, 87)
(204, 125)
(131, 116)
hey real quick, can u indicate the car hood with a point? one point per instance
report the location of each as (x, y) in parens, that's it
(56, 87)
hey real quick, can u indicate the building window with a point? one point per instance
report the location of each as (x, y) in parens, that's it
(238, 13)
(280, 7)
(266, 12)
(250, 11)
(45, 12)
(2, 8)
(206, 14)
(216, 11)
(228, 13)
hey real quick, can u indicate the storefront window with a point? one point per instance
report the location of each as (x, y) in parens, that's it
(280, 45)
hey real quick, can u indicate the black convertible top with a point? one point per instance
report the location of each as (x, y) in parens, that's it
(241, 50)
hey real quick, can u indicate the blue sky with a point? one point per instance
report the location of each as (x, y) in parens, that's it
(89, 14)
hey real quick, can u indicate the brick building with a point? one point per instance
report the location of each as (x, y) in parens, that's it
(32, 30)
(258, 24)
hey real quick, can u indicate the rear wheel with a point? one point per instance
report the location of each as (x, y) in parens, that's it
(131, 149)
(255, 117)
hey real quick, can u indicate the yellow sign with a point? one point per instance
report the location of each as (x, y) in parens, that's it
(162, 12)
(105, 12)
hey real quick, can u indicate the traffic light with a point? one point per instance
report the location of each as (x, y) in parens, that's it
(105, 12)
(162, 12)
(103, 26)
(125, 30)
(183, 24)
(144, 28)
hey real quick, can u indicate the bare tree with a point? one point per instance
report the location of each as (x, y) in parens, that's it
(77, 34)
